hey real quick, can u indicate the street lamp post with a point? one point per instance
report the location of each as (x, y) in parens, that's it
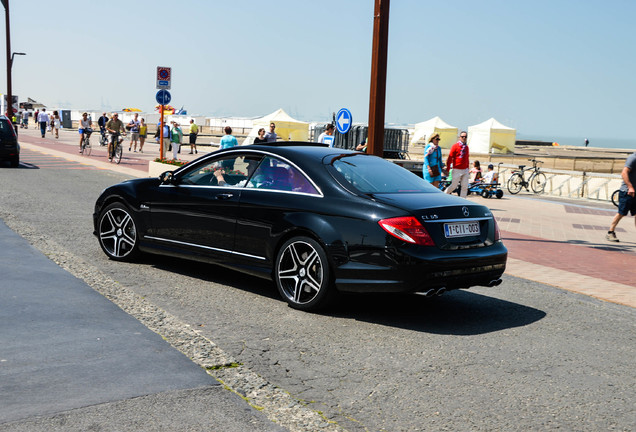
(5, 3)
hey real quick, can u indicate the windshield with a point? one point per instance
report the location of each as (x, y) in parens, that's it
(373, 175)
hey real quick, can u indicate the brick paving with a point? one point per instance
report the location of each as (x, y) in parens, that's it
(556, 242)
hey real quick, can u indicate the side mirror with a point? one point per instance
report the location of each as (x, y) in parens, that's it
(166, 177)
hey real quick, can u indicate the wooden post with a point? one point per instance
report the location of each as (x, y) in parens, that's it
(377, 97)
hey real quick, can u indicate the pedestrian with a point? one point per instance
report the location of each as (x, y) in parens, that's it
(36, 116)
(626, 198)
(271, 135)
(476, 171)
(194, 131)
(133, 126)
(458, 159)
(143, 133)
(43, 120)
(56, 123)
(261, 137)
(228, 141)
(176, 134)
(327, 136)
(84, 128)
(433, 164)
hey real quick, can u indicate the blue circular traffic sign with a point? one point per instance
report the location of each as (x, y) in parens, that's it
(344, 119)
(163, 97)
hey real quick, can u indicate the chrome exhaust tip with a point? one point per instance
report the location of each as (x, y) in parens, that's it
(495, 282)
(440, 291)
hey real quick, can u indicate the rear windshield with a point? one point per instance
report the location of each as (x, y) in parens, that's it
(371, 174)
(6, 129)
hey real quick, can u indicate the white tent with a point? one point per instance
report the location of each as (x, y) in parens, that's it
(491, 137)
(447, 133)
(287, 128)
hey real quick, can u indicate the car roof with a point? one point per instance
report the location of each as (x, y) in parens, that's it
(294, 149)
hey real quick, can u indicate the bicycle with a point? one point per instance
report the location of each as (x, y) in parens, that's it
(86, 143)
(103, 140)
(536, 181)
(615, 197)
(117, 148)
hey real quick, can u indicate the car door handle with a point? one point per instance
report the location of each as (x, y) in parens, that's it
(224, 196)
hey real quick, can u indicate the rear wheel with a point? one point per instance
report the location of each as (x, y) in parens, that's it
(302, 274)
(485, 194)
(499, 193)
(515, 183)
(15, 162)
(537, 182)
(117, 233)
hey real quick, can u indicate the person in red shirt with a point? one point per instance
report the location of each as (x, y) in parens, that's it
(458, 160)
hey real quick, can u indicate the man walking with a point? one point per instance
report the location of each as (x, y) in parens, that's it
(458, 159)
(271, 135)
(626, 198)
(43, 119)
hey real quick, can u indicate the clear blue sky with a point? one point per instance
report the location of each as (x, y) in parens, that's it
(550, 68)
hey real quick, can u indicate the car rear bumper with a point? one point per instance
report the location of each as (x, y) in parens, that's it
(401, 272)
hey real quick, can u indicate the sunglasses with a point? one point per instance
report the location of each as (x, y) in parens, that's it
(435, 139)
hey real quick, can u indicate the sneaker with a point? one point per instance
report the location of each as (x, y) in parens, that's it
(611, 236)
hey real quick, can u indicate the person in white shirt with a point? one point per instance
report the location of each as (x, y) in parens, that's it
(327, 136)
(491, 176)
(43, 120)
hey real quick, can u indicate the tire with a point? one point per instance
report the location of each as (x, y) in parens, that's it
(615, 195)
(537, 182)
(118, 152)
(117, 233)
(515, 183)
(15, 162)
(302, 274)
(485, 194)
(499, 194)
(87, 148)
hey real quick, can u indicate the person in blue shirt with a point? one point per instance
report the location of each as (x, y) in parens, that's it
(228, 141)
(433, 161)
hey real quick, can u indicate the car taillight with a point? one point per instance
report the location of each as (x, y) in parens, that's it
(408, 229)
(497, 232)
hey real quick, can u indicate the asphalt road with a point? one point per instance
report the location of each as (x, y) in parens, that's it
(521, 356)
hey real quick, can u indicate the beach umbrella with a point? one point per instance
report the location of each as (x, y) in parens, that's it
(131, 110)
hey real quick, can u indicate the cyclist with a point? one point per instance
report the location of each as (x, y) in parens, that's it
(101, 122)
(84, 129)
(113, 126)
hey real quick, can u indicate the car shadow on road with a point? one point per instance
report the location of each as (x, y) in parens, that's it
(458, 312)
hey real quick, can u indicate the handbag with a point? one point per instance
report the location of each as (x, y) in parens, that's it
(433, 170)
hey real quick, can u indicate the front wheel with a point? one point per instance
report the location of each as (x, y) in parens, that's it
(118, 152)
(87, 148)
(537, 182)
(515, 183)
(302, 274)
(117, 233)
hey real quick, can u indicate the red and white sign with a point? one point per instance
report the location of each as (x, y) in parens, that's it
(164, 77)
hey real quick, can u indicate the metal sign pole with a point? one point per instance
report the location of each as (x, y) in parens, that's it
(161, 155)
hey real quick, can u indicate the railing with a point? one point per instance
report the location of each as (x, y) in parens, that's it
(570, 184)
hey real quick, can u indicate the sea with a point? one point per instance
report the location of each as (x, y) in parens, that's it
(613, 143)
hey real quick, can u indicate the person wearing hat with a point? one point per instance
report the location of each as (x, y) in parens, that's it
(433, 161)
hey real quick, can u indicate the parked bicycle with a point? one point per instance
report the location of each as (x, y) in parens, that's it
(86, 142)
(615, 197)
(536, 181)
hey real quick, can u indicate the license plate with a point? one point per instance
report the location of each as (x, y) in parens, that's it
(461, 229)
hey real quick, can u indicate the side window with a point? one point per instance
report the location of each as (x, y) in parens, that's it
(228, 171)
(274, 174)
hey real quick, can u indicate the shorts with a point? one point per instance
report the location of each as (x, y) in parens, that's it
(134, 136)
(626, 203)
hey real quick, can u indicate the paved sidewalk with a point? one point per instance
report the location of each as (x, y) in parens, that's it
(552, 241)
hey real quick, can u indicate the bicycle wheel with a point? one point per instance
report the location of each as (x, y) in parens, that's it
(537, 182)
(118, 153)
(515, 183)
(615, 197)
(87, 148)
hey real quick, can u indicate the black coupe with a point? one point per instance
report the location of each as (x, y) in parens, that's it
(316, 220)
